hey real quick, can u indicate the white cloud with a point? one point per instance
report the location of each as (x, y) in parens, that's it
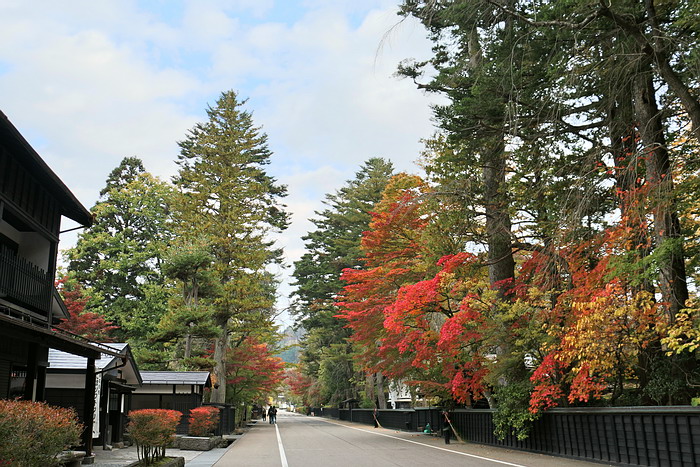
(337, 98)
(89, 83)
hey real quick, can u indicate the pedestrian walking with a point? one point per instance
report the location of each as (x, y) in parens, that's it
(272, 415)
(264, 413)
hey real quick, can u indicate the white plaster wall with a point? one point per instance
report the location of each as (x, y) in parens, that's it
(165, 389)
(65, 381)
(32, 246)
(35, 248)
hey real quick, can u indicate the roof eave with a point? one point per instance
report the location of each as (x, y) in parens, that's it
(71, 207)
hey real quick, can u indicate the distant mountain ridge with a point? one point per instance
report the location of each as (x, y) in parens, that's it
(290, 343)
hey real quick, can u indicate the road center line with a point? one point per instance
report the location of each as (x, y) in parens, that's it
(427, 445)
(283, 457)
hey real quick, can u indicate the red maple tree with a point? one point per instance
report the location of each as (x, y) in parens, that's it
(572, 325)
(303, 386)
(88, 324)
(393, 256)
(253, 372)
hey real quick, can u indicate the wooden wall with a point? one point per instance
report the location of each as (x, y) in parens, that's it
(21, 189)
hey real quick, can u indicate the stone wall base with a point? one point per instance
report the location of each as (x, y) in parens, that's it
(198, 443)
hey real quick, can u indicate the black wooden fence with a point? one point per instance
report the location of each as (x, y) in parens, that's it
(649, 436)
(227, 419)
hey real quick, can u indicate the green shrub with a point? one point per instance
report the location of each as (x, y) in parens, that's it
(33, 433)
(152, 430)
(203, 420)
(512, 415)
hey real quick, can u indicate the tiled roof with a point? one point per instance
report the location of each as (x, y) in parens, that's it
(59, 360)
(175, 377)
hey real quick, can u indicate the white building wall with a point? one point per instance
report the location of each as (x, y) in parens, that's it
(166, 389)
(65, 381)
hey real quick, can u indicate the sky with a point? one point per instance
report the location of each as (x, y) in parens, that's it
(90, 82)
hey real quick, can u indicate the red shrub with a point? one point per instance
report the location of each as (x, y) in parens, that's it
(152, 430)
(203, 420)
(33, 433)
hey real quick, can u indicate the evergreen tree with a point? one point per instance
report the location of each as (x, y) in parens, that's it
(230, 204)
(188, 319)
(118, 258)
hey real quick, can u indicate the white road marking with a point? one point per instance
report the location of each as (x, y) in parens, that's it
(427, 445)
(283, 457)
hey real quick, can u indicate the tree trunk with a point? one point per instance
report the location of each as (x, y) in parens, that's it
(501, 265)
(191, 300)
(498, 224)
(654, 50)
(674, 81)
(500, 253)
(369, 386)
(188, 345)
(622, 133)
(667, 231)
(218, 394)
(690, 104)
(381, 399)
(628, 164)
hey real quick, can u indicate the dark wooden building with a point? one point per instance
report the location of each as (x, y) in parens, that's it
(32, 202)
(115, 380)
(175, 390)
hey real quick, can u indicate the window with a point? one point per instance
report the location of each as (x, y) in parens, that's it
(7, 246)
(114, 400)
(18, 382)
(8, 250)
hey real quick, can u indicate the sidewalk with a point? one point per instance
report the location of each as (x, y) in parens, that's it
(128, 456)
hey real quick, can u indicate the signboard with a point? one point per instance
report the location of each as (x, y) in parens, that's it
(96, 415)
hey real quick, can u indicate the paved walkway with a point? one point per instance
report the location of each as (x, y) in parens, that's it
(128, 456)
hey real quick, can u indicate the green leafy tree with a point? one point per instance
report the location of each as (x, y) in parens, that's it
(118, 259)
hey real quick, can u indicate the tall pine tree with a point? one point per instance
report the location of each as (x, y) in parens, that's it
(231, 204)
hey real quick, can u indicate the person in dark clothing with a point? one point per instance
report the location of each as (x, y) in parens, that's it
(447, 430)
(264, 413)
(272, 415)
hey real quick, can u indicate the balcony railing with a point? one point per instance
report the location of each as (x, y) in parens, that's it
(24, 283)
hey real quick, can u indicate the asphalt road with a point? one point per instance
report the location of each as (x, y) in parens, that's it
(301, 441)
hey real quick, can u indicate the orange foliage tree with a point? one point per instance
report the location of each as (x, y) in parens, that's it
(253, 372)
(578, 322)
(392, 258)
(203, 420)
(87, 324)
(303, 387)
(152, 430)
